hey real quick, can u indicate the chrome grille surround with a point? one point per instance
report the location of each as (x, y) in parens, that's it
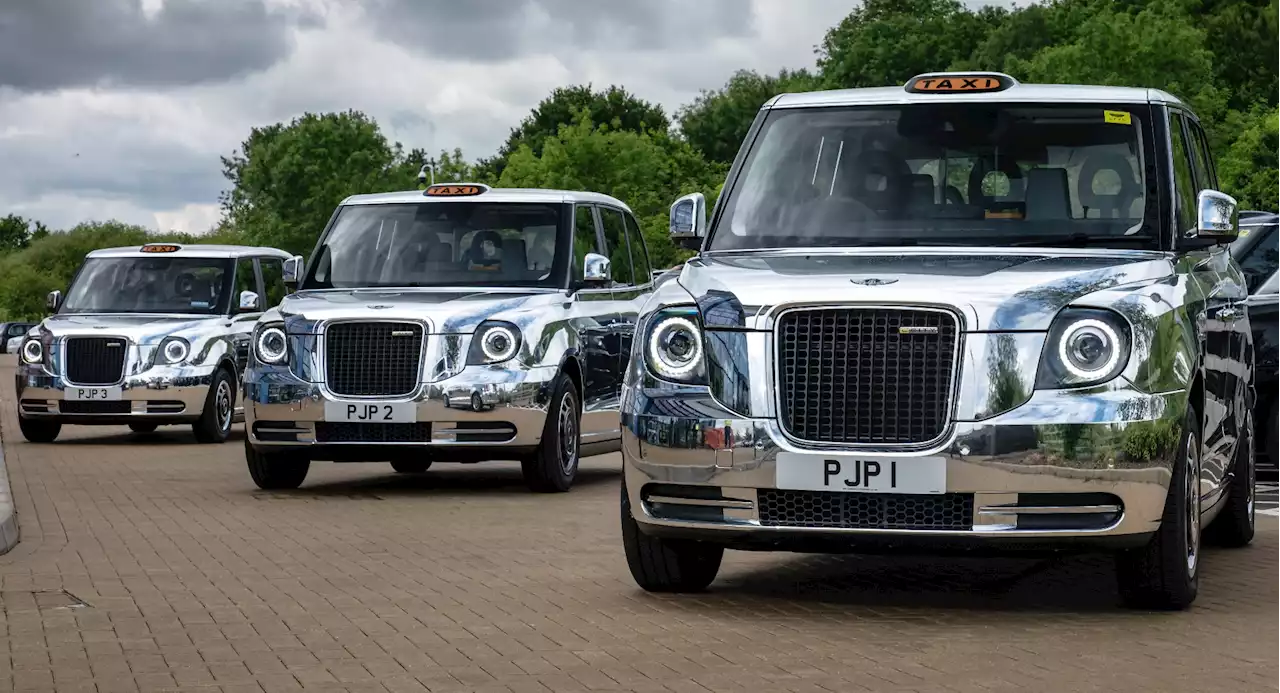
(819, 415)
(362, 359)
(89, 360)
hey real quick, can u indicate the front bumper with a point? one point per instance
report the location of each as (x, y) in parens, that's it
(1066, 468)
(481, 408)
(159, 394)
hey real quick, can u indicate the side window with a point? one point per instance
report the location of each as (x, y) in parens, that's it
(615, 243)
(584, 238)
(1200, 158)
(639, 252)
(272, 280)
(246, 280)
(1183, 182)
(1261, 261)
(17, 330)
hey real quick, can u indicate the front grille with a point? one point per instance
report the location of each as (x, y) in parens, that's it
(948, 511)
(95, 360)
(849, 375)
(79, 407)
(355, 432)
(372, 359)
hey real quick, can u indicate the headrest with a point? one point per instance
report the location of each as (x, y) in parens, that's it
(1098, 163)
(1048, 194)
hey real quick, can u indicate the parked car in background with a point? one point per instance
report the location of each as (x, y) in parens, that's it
(1257, 250)
(10, 331)
(962, 314)
(12, 345)
(456, 324)
(148, 336)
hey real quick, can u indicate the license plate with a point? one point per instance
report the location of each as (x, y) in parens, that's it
(92, 394)
(371, 412)
(861, 474)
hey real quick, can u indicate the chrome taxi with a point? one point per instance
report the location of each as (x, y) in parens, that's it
(147, 336)
(456, 324)
(965, 314)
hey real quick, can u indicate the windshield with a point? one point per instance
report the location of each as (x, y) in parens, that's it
(947, 174)
(150, 285)
(444, 244)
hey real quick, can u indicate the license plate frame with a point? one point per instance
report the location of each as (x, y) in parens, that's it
(853, 473)
(371, 412)
(75, 393)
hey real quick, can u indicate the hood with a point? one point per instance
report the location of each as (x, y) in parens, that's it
(447, 310)
(995, 289)
(140, 329)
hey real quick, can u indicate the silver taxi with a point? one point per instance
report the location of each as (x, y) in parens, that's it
(456, 324)
(967, 314)
(148, 336)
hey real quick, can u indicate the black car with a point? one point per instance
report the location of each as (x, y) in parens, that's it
(9, 330)
(1258, 252)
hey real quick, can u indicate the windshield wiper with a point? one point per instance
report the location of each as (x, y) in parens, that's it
(1078, 239)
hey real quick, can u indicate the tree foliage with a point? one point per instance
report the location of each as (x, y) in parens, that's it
(717, 121)
(18, 232)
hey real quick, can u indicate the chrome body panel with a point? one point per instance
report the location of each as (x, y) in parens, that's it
(1019, 93)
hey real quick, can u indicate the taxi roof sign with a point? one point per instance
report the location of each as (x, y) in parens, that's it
(161, 248)
(455, 190)
(959, 83)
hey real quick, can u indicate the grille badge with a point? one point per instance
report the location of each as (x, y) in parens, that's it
(873, 281)
(402, 333)
(117, 345)
(917, 330)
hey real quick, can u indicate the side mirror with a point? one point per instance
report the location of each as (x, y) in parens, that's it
(53, 301)
(689, 221)
(293, 268)
(250, 302)
(1217, 217)
(596, 269)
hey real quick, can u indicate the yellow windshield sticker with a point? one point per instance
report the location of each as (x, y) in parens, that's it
(1117, 117)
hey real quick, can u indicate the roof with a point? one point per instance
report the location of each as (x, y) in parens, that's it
(534, 195)
(1023, 93)
(194, 250)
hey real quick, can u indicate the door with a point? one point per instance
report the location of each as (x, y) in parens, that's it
(642, 274)
(627, 286)
(241, 328)
(592, 313)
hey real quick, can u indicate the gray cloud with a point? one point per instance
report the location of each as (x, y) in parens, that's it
(51, 44)
(495, 30)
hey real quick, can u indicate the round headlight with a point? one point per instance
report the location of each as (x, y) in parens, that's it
(272, 345)
(175, 351)
(1089, 348)
(32, 351)
(675, 348)
(498, 344)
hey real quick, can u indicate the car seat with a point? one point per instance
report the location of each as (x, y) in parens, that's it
(1115, 205)
(1048, 194)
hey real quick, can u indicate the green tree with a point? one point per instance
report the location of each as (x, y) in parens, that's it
(1242, 35)
(644, 170)
(717, 121)
(18, 232)
(615, 106)
(287, 179)
(1247, 169)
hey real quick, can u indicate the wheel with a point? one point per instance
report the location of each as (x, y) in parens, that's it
(37, 431)
(1165, 574)
(143, 427)
(554, 465)
(410, 466)
(1234, 526)
(667, 565)
(214, 424)
(276, 471)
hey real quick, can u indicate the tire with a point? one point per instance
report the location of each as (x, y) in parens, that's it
(143, 427)
(1234, 526)
(37, 431)
(276, 471)
(410, 466)
(1165, 574)
(667, 565)
(214, 424)
(553, 467)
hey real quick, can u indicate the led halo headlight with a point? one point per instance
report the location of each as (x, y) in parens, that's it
(32, 351)
(174, 350)
(272, 345)
(1086, 347)
(1089, 348)
(498, 344)
(674, 347)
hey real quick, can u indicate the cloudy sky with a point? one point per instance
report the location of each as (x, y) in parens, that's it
(121, 108)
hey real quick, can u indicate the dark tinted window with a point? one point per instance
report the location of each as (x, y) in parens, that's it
(639, 253)
(17, 330)
(272, 281)
(246, 279)
(150, 285)
(615, 243)
(1185, 204)
(1200, 157)
(1262, 255)
(584, 238)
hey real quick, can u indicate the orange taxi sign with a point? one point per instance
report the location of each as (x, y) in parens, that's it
(160, 248)
(454, 190)
(959, 83)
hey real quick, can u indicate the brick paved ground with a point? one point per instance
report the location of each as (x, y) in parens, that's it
(179, 575)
